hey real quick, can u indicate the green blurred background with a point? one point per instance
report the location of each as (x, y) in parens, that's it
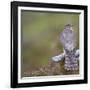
(40, 38)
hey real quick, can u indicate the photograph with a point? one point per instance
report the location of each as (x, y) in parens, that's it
(48, 42)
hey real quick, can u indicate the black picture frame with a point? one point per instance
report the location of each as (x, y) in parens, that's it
(14, 43)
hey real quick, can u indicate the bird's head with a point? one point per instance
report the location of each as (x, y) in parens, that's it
(69, 26)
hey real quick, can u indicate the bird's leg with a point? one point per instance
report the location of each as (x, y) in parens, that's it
(58, 57)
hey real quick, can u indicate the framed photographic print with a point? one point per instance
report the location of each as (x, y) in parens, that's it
(48, 44)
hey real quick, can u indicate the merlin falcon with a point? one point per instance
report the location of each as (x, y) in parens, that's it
(71, 54)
